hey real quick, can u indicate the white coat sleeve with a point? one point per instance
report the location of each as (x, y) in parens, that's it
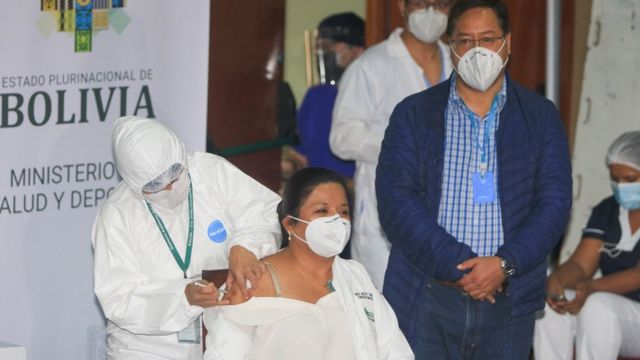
(352, 136)
(130, 299)
(252, 209)
(392, 344)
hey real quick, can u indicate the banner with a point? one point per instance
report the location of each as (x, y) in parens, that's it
(68, 69)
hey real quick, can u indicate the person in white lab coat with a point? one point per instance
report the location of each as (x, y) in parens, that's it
(410, 60)
(315, 305)
(174, 215)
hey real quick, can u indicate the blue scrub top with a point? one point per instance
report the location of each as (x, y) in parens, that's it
(314, 125)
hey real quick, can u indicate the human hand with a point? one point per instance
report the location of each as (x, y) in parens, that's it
(243, 266)
(484, 280)
(583, 290)
(203, 294)
(555, 295)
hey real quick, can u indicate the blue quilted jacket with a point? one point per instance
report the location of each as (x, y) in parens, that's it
(534, 182)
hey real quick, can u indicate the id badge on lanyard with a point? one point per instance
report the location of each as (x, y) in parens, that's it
(191, 334)
(483, 190)
(483, 180)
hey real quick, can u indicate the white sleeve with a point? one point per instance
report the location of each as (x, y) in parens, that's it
(392, 344)
(351, 136)
(252, 210)
(128, 297)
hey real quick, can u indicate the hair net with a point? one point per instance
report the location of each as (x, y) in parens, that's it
(144, 150)
(625, 150)
(344, 27)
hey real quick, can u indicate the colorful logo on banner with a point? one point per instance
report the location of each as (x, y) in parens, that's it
(82, 18)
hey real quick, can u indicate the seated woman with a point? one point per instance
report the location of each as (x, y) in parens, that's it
(314, 305)
(602, 314)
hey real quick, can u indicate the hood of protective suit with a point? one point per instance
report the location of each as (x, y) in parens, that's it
(144, 149)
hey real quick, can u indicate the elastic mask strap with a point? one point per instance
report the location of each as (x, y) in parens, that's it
(296, 235)
(299, 238)
(295, 218)
(454, 52)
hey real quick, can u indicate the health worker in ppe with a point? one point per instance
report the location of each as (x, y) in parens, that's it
(602, 314)
(314, 305)
(410, 60)
(340, 41)
(173, 215)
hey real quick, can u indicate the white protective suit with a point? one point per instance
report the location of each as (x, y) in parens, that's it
(368, 92)
(137, 281)
(373, 324)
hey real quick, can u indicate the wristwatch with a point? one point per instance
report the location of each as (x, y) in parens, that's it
(507, 269)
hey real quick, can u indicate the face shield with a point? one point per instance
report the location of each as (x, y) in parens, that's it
(328, 61)
(332, 46)
(165, 179)
(146, 151)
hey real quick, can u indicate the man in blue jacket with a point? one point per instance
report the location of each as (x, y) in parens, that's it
(474, 190)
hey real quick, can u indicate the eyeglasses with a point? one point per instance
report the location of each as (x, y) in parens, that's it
(438, 4)
(464, 44)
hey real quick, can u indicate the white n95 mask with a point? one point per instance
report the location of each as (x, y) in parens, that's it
(326, 236)
(479, 67)
(427, 24)
(170, 199)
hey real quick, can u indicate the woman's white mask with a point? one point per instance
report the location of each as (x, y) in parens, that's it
(170, 199)
(427, 24)
(326, 236)
(479, 67)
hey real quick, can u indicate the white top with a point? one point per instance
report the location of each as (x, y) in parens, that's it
(310, 331)
(369, 90)
(628, 240)
(354, 322)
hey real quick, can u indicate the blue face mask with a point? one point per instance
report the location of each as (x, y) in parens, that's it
(627, 194)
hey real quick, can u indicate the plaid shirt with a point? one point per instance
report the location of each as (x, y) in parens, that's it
(476, 225)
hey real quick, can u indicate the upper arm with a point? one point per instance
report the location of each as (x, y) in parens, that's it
(587, 255)
(234, 295)
(264, 288)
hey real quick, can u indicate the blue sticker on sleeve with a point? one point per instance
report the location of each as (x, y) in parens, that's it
(216, 231)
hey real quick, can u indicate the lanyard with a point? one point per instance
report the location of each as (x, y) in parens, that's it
(184, 265)
(475, 133)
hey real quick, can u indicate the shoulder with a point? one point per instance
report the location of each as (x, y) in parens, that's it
(322, 89)
(212, 169)
(607, 207)
(318, 95)
(351, 265)
(121, 201)
(355, 273)
(198, 159)
(603, 219)
(378, 56)
(433, 99)
(530, 100)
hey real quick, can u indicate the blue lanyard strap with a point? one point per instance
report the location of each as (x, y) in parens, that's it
(184, 265)
(475, 133)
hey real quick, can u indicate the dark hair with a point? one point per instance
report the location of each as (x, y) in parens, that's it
(461, 6)
(298, 188)
(344, 27)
